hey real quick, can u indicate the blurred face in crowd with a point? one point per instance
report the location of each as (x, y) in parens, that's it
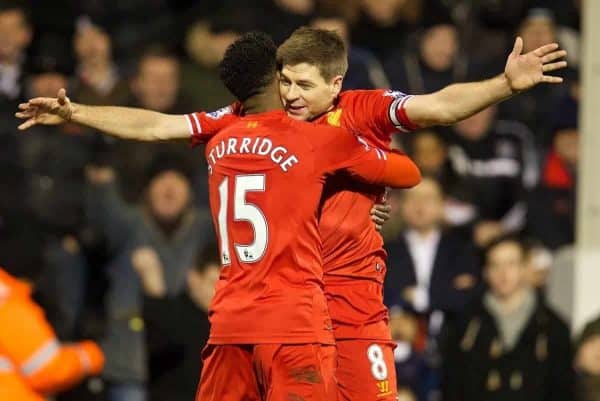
(566, 145)
(157, 83)
(439, 46)
(301, 7)
(169, 195)
(423, 206)
(505, 269)
(338, 25)
(92, 45)
(588, 356)
(477, 126)
(384, 12)
(15, 35)
(536, 32)
(429, 153)
(47, 84)
(304, 91)
(207, 48)
(201, 284)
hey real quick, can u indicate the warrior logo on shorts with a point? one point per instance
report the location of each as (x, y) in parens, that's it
(384, 388)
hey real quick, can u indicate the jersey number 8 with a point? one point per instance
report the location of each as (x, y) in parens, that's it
(378, 367)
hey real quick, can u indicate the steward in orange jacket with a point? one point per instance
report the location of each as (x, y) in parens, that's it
(33, 363)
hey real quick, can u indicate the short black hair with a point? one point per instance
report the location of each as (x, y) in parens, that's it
(249, 65)
(504, 239)
(21, 5)
(155, 51)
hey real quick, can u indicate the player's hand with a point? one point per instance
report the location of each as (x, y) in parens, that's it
(524, 71)
(45, 110)
(380, 213)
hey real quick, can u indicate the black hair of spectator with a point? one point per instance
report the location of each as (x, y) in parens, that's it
(236, 19)
(51, 54)
(208, 255)
(23, 6)
(249, 65)
(164, 162)
(568, 114)
(155, 51)
(504, 239)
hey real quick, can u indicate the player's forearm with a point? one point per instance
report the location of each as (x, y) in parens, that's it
(400, 172)
(457, 102)
(124, 122)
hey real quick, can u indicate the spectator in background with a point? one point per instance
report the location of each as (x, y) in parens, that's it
(54, 183)
(438, 270)
(134, 25)
(429, 150)
(364, 70)
(167, 222)
(155, 86)
(509, 345)
(497, 164)
(206, 43)
(97, 79)
(551, 217)
(430, 65)
(15, 37)
(587, 362)
(282, 17)
(432, 276)
(33, 363)
(536, 107)
(382, 24)
(177, 327)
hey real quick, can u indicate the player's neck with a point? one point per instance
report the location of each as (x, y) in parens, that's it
(266, 100)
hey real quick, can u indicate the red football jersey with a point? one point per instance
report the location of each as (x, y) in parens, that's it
(353, 254)
(266, 175)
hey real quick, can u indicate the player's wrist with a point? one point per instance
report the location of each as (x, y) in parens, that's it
(505, 84)
(74, 113)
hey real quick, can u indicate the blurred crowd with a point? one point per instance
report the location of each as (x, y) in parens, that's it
(117, 237)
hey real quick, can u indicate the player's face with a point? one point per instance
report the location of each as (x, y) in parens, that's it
(305, 94)
(169, 194)
(505, 270)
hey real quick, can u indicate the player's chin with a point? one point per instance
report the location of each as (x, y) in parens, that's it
(299, 113)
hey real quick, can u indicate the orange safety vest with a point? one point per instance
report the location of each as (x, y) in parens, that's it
(33, 362)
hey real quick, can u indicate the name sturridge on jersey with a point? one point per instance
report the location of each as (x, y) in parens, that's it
(257, 146)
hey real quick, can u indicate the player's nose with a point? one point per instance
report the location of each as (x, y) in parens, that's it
(292, 93)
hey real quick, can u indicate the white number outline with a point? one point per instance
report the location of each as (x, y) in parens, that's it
(243, 211)
(379, 369)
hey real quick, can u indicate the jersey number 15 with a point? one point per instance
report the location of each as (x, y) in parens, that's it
(243, 211)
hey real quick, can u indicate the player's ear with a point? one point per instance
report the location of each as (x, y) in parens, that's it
(336, 84)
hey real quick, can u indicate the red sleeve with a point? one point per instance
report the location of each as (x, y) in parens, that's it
(353, 154)
(382, 112)
(203, 125)
(46, 364)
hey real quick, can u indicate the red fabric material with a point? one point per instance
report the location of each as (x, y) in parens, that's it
(555, 173)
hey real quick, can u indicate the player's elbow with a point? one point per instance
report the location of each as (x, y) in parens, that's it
(402, 172)
(413, 176)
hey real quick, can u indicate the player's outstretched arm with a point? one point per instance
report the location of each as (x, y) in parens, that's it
(459, 101)
(122, 122)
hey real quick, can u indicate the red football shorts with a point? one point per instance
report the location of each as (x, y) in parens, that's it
(366, 371)
(268, 372)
